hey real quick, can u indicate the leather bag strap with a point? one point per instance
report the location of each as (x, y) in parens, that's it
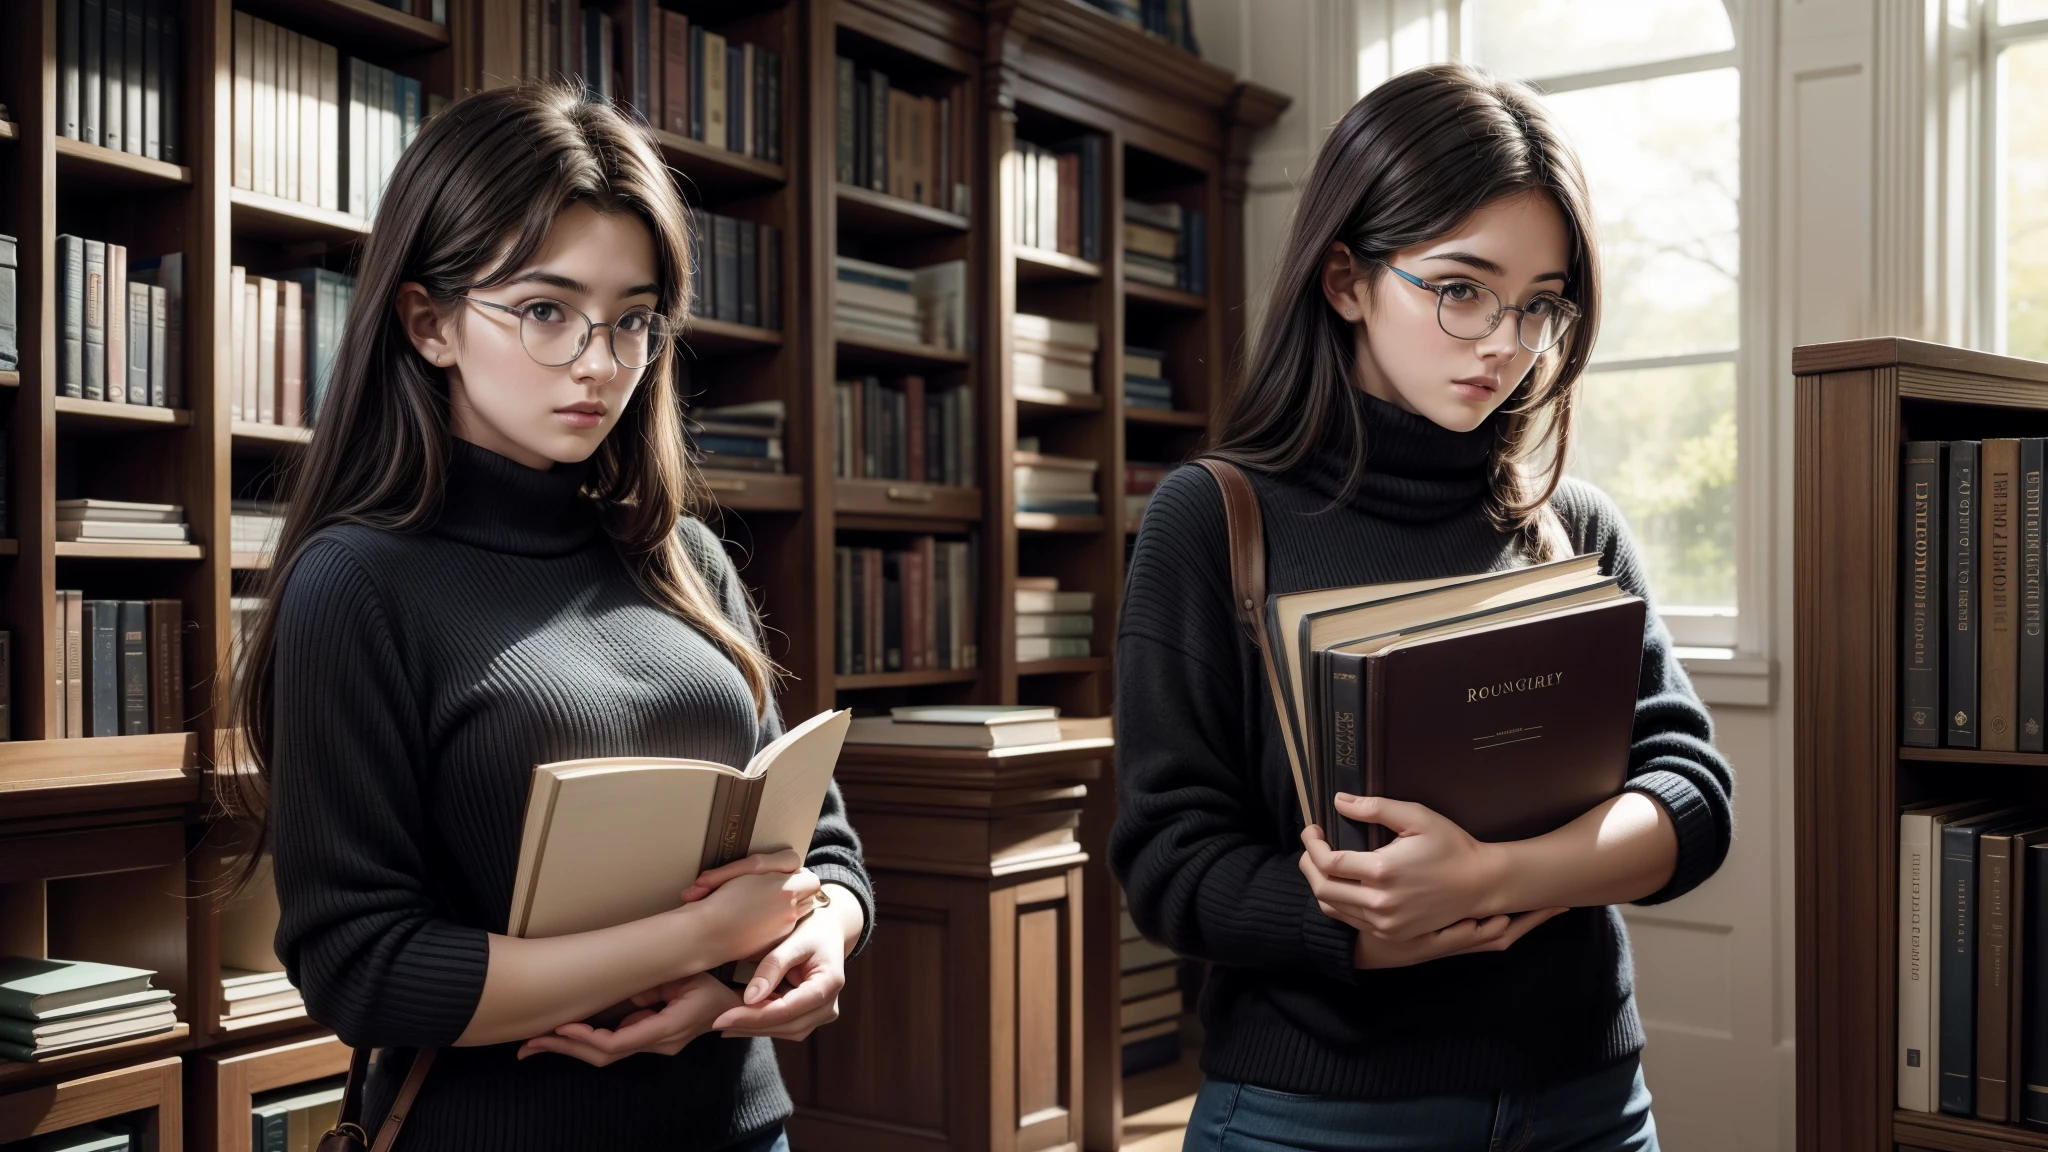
(341, 1137)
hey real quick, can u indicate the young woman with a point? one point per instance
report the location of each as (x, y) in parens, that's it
(1407, 415)
(488, 565)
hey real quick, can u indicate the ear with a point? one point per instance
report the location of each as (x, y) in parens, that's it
(424, 325)
(1342, 273)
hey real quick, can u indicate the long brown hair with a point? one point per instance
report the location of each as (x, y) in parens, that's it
(1408, 163)
(471, 200)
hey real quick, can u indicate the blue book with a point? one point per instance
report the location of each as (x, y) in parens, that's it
(1957, 1044)
(733, 445)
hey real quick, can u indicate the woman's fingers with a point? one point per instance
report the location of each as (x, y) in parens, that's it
(1401, 817)
(707, 882)
(796, 1029)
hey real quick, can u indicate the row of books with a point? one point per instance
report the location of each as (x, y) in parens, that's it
(737, 275)
(315, 126)
(119, 75)
(1145, 382)
(1973, 960)
(1057, 355)
(925, 305)
(1060, 485)
(1149, 995)
(1057, 192)
(1167, 245)
(285, 331)
(740, 437)
(1171, 20)
(905, 610)
(902, 430)
(254, 525)
(1140, 480)
(123, 671)
(119, 324)
(293, 1119)
(254, 988)
(1052, 624)
(10, 307)
(892, 141)
(1973, 662)
(50, 1006)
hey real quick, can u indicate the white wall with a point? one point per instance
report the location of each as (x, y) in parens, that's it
(1844, 222)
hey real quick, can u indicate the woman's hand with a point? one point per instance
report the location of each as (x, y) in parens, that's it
(1493, 934)
(670, 1017)
(750, 912)
(761, 864)
(1431, 877)
(813, 959)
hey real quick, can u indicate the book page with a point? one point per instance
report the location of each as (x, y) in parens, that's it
(795, 772)
(620, 843)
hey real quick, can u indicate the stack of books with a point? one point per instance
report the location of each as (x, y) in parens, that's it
(1145, 382)
(1150, 995)
(1171, 20)
(740, 437)
(1058, 194)
(123, 666)
(977, 726)
(1164, 244)
(250, 993)
(916, 305)
(50, 1006)
(660, 67)
(120, 66)
(293, 1119)
(1053, 355)
(1051, 624)
(737, 276)
(314, 126)
(253, 983)
(905, 610)
(1140, 479)
(255, 525)
(908, 146)
(118, 332)
(901, 430)
(10, 331)
(99, 1136)
(1060, 485)
(120, 522)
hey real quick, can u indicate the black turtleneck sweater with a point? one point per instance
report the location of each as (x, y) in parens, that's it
(420, 677)
(1207, 836)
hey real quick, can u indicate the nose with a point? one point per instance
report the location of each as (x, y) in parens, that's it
(596, 365)
(1503, 344)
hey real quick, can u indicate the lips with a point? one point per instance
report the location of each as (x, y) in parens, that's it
(1478, 382)
(587, 407)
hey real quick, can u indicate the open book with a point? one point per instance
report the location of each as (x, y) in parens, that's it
(617, 838)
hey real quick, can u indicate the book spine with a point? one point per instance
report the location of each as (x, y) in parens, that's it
(152, 79)
(134, 668)
(159, 345)
(10, 297)
(725, 268)
(134, 129)
(95, 342)
(842, 610)
(878, 132)
(114, 289)
(103, 670)
(173, 76)
(165, 674)
(1994, 995)
(2017, 958)
(2033, 1023)
(141, 343)
(1920, 508)
(1958, 1038)
(1998, 656)
(675, 78)
(1347, 672)
(772, 118)
(771, 277)
(6, 685)
(81, 76)
(892, 612)
(749, 273)
(1959, 588)
(2031, 715)
(1914, 1082)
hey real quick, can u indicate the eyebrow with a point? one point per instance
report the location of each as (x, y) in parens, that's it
(536, 276)
(1491, 268)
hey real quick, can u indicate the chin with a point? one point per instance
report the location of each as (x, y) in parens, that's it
(1458, 416)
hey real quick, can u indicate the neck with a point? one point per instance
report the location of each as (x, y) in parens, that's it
(1414, 470)
(499, 504)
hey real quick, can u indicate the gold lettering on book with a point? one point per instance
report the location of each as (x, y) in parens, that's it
(1347, 739)
(1508, 687)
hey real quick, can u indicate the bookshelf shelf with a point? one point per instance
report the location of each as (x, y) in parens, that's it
(905, 680)
(1140, 294)
(704, 338)
(1163, 418)
(42, 777)
(1039, 266)
(905, 499)
(79, 161)
(144, 1086)
(125, 1052)
(1069, 666)
(249, 434)
(90, 550)
(1944, 1133)
(366, 27)
(266, 217)
(1973, 756)
(867, 211)
(876, 351)
(1049, 522)
(76, 415)
(717, 172)
(756, 491)
(1048, 402)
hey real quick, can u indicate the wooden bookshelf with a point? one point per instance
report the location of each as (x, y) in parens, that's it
(149, 1090)
(1856, 403)
(225, 1080)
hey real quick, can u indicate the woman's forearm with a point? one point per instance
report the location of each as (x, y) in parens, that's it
(1623, 850)
(534, 986)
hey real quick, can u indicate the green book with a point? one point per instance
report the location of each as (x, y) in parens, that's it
(30, 986)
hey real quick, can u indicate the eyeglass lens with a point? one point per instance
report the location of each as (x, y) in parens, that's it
(1470, 311)
(556, 334)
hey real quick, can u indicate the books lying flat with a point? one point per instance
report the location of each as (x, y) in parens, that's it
(615, 839)
(33, 988)
(241, 984)
(120, 530)
(1163, 1006)
(1149, 981)
(127, 510)
(84, 1138)
(990, 733)
(96, 1026)
(23, 1053)
(1504, 701)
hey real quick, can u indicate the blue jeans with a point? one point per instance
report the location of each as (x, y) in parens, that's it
(767, 1140)
(1608, 1111)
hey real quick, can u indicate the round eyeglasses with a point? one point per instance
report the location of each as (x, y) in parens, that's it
(555, 334)
(1471, 311)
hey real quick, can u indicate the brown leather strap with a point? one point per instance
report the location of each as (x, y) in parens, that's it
(387, 1133)
(348, 1135)
(1247, 529)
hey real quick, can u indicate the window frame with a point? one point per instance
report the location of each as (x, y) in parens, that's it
(1992, 41)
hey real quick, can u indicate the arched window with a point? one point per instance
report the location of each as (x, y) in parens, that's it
(1649, 94)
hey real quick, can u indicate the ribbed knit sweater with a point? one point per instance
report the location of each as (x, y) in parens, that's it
(420, 676)
(1207, 836)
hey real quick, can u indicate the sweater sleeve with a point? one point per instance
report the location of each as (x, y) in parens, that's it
(360, 932)
(1672, 758)
(835, 847)
(1204, 853)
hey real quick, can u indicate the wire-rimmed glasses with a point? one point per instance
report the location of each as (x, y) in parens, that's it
(1471, 311)
(549, 332)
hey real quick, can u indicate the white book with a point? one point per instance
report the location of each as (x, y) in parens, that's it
(90, 1030)
(941, 291)
(286, 93)
(231, 977)
(1051, 647)
(882, 299)
(1034, 601)
(308, 138)
(1033, 371)
(330, 127)
(887, 272)
(264, 125)
(1918, 863)
(1049, 481)
(120, 530)
(883, 730)
(358, 135)
(1077, 333)
(242, 174)
(973, 713)
(1055, 624)
(237, 317)
(129, 510)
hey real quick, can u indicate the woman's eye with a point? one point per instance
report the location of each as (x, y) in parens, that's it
(633, 322)
(544, 312)
(1545, 306)
(1459, 292)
